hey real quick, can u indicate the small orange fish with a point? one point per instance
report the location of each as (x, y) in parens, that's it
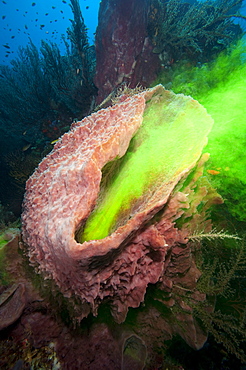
(213, 172)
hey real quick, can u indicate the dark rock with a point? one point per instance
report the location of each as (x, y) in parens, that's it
(12, 304)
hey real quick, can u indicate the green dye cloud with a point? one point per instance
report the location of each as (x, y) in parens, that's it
(170, 141)
(221, 88)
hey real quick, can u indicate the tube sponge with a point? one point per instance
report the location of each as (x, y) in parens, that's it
(158, 137)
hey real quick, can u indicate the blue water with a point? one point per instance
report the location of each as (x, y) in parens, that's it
(47, 20)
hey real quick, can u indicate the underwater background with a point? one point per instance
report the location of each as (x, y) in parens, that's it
(63, 61)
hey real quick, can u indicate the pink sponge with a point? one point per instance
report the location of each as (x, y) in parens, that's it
(60, 196)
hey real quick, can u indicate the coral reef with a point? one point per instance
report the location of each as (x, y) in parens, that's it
(40, 339)
(103, 231)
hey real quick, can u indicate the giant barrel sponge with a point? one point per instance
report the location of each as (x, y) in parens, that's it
(100, 211)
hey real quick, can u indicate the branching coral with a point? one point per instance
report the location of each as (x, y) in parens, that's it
(180, 30)
(80, 47)
(21, 166)
(212, 235)
(36, 80)
(228, 322)
(70, 79)
(43, 84)
(208, 296)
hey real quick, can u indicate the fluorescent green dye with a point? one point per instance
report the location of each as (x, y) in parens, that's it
(170, 140)
(4, 278)
(3, 240)
(221, 88)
